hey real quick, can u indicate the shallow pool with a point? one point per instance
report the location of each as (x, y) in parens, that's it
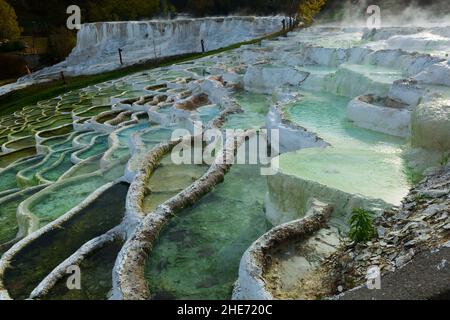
(197, 255)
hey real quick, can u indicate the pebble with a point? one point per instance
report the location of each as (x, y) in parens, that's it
(433, 209)
(403, 259)
(381, 231)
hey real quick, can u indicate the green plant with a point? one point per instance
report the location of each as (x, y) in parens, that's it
(361, 225)
(413, 176)
(445, 159)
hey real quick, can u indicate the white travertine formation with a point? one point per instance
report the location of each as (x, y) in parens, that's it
(251, 284)
(98, 43)
(267, 78)
(311, 74)
(292, 137)
(431, 125)
(396, 122)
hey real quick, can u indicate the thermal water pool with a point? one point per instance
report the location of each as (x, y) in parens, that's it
(96, 271)
(361, 168)
(255, 106)
(208, 240)
(49, 250)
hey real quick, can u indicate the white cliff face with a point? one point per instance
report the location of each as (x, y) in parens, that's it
(98, 43)
(166, 38)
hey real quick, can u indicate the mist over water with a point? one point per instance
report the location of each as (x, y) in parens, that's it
(406, 13)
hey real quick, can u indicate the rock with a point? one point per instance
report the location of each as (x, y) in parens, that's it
(404, 258)
(433, 210)
(394, 104)
(363, 257)
(267, 78)
(423, 238)
(435, 193)
(381, 231)
(431, 171)
(392, 256)
(410, 244)
(438, 74)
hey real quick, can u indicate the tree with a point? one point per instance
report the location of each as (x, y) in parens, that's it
(114, 10)
(60, 43)
(9, 28)
(308, 9)
(200, 8)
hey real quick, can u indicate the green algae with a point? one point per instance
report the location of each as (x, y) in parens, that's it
(58, 169)
(9, 158)
(28, 176)
(8, 210)
(53, 202)
(99, 146)
(26, 142)
(8, 178)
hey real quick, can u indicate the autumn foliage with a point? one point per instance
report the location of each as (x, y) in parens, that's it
(9, 28)
(308, 9)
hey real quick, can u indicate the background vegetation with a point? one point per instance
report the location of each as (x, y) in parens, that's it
(46, 20)
(46, 16)
(9, 29)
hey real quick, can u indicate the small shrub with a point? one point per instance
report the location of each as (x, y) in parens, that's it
(413, 176)
(361, 226)
(445, 159)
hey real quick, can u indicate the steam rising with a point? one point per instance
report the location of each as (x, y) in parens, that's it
(393, 13)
